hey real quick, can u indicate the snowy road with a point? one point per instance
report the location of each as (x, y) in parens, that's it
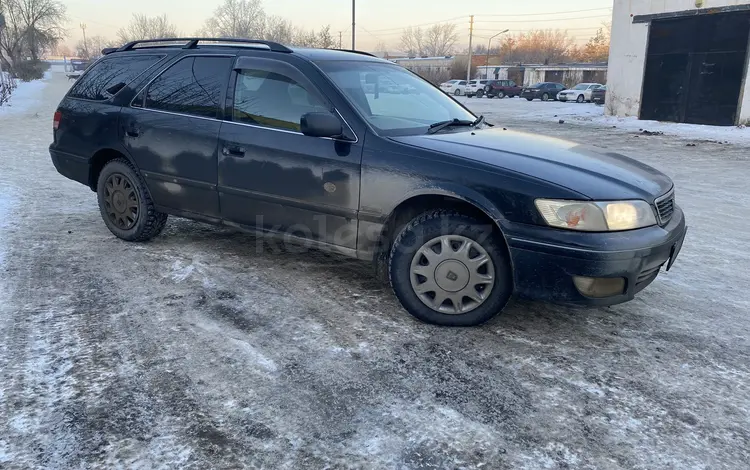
(211, 349)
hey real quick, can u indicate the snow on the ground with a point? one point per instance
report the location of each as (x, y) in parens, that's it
(25, 97)
(591, 114)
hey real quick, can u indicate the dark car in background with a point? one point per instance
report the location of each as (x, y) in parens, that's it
(599, 95)
(501, 89)
(543, 91)
(456, 214)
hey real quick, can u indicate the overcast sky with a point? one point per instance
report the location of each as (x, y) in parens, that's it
(377, 20)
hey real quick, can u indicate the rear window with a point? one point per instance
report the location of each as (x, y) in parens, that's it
(109, 76)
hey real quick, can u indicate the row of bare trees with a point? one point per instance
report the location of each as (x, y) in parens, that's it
(537, 46)
(231, 19)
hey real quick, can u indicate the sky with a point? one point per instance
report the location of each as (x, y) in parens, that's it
(377, 20)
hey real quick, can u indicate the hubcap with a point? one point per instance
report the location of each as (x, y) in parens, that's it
(121, 201)
(452, 274)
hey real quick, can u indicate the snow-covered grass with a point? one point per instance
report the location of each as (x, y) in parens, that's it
(498, 111)
(25, 97)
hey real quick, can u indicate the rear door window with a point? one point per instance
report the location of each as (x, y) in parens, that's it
(110, 75)
(193, 86)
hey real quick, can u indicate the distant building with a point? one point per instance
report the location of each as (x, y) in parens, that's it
(426, 65)
(529, 74)
(680, 61)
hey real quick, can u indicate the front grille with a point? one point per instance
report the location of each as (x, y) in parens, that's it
(665, 207)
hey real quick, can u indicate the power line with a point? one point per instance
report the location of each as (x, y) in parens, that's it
(552, 13)
(544, 20)
(421, 24)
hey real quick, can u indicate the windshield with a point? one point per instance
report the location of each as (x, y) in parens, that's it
(538, 85)
(581, 86)
(407, 108)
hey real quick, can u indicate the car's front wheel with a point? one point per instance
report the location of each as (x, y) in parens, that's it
(125, 203)
(545, 97)
(581, 99)
(457, 92)
(450, 269)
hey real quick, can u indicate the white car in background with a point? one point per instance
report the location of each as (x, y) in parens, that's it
(454, 87)
(475, 88)
(579, 93)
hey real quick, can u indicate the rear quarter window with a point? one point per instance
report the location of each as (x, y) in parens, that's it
(110, 75)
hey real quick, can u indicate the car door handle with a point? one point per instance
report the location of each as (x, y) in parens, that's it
(233, 150)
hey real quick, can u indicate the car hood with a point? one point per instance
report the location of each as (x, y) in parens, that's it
(594, 173)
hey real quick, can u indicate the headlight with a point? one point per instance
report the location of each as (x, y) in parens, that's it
(596, 216)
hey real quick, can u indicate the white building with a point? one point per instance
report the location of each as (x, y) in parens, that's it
(680, 60)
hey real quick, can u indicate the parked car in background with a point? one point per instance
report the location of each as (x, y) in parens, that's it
(543, 91)
(579, 93)
(454, 87)
(476, 88)
(501, 89)
(599, 95)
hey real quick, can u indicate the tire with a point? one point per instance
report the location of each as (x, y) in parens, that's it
(580, 99)
(406, 256)
(529, 99)
(147, 222)
(457, 92)
(480, 93)
(501, 94)
(545, 97)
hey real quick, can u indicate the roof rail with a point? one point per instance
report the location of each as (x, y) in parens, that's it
(192, 43)
(356, 52)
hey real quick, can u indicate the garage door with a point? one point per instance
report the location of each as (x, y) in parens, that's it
(695, 68)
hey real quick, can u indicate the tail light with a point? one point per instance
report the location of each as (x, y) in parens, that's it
(56, 120)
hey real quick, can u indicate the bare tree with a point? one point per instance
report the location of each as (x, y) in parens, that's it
(595, 50)
(145, 27)
(325, 39)
(440, 39)
(278, 29)
(413, 42)
(93, 47)
(32, 26)
(381, 48)
(237, 19)
(538, 46)
(305, 38)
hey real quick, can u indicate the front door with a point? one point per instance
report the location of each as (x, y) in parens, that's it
(171, 130)
(271, 176)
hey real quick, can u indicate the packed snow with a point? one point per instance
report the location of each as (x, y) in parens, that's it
(207, 348)
(589, 114)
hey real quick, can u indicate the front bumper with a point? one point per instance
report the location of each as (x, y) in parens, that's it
(545, 260)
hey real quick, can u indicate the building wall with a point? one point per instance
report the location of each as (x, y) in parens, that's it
(627, 52)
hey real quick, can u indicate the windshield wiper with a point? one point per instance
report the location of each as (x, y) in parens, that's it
(478, 121)
(439, 126)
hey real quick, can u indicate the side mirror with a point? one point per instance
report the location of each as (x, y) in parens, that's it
(320, 125)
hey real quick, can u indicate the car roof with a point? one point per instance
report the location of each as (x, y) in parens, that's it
(336, 54)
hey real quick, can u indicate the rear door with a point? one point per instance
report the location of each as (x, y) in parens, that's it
(271, 176)
(172, 128)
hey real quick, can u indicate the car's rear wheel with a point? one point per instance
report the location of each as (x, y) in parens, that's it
(529, 99)
(580, 99)
(501, 94)
(450, 269)
(126, 205)
(480, 93)
(545, 97)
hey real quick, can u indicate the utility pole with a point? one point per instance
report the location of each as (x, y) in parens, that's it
(471, 37)
(85, 46)
(340, 43)
(353, 25)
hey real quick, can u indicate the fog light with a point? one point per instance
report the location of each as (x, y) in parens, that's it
(599, 287)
